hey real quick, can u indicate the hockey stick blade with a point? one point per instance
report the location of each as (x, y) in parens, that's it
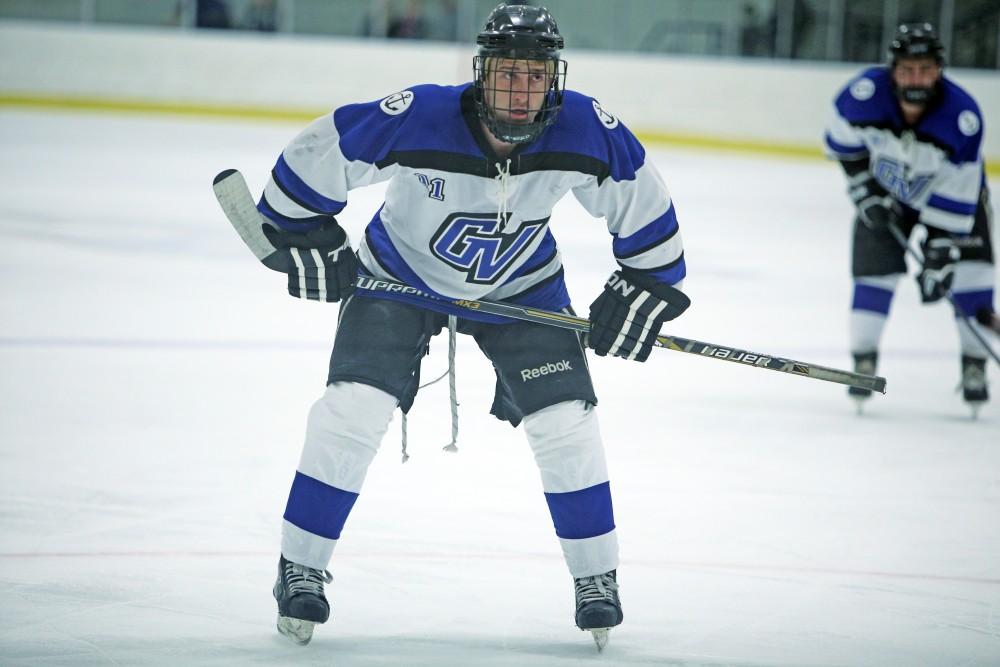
(237, 203)
(234, 196)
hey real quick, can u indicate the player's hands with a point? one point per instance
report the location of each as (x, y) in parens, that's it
(940, 256)
(989, 319)
(320, 263)
(876, 207)
(626, 318)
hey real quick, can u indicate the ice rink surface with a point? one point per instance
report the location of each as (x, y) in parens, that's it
(155, 382)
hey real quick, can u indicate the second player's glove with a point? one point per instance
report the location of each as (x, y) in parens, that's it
(876, 207)
(626, 318)
(989, 318)
(940, 256)
(320, 263)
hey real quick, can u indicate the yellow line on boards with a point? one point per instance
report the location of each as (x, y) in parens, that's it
(70, 103)
(700, 142)
(739, 145)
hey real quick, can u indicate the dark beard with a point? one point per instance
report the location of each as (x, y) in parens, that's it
(919, 96)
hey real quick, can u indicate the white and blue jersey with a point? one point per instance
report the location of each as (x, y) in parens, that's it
(935, 168)
(462, 223)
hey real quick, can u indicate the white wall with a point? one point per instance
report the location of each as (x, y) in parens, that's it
(738, 100)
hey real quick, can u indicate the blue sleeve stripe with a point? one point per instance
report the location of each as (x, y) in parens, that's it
(290, 224)
(318, 508)
(951, 206)
(844, 149)
(671, 274)
(658, 231)
(973, 302)
(872, 299)
(300, 193)
(581, 514)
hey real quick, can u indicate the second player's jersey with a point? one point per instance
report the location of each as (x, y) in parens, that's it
(460, 222)
(934, 168)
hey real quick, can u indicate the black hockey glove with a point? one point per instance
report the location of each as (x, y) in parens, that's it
(935, 279)
(626, 318)
(989, 319)
(876, 207)
(320, 263)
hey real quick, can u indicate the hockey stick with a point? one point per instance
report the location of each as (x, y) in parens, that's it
(238, 204)
(897, 233)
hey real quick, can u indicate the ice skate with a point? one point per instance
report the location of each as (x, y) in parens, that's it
(598, 608)
(301, 601)
(974, 391)
(864, 362)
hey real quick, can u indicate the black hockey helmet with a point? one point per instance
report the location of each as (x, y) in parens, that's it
(916, 40)
(518, 32)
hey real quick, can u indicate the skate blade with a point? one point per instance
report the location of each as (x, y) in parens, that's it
(600, 637)
(296, 629)
(975, 407)
(859, 403)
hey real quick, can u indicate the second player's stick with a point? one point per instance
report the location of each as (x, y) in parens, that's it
(901, 239)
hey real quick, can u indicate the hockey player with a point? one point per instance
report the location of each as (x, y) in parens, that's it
(474, 171)
(909, 141)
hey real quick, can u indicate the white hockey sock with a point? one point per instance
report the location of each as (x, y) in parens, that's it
(868, 323)
(344, 431)
(566, 442)
(973, 277)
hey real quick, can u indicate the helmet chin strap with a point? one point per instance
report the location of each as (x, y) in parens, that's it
(513, 133)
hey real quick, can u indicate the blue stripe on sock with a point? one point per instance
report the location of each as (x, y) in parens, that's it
(584, 513)
(318, 508)
(871, 298)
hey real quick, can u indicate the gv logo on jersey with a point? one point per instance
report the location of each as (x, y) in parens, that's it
(892, 175)
(435, 186)
(472, 242)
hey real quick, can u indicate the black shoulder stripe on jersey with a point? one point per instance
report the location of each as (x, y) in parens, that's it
(456, 163)
(460, 163)
(547, 161)
(651, 245)
(485, 164)
(898, 133)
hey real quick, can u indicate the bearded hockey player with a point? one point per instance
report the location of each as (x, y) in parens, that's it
(909, 138)
(473, 174)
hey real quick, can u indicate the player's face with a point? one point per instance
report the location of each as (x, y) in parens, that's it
(916, 72)
(516, 88)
